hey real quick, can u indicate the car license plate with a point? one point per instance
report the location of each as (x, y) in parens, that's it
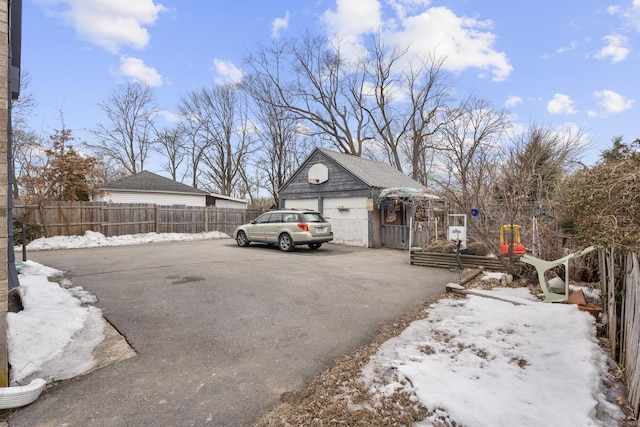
(321, 229)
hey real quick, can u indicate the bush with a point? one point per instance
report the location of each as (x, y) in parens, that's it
(31, 232)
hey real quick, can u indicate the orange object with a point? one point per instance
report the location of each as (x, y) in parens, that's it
(577, 297)
(505, 243)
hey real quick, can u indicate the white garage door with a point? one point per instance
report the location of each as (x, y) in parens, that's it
(349, 220)
(301, 204)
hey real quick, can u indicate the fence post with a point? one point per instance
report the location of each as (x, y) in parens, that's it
(102, 226)
(157, 213)
(206, 219)
(24, 242)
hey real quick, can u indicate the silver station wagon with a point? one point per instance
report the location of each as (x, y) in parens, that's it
(286, 228)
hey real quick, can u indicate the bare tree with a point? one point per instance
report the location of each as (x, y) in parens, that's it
(538, 158)
(22, 107)
(171, 146)
(429, 96)
(219, 119)
(29, 158)
(24, 139)
(381, 102)
(196, 142)
(325, 92)
(281, 146)
(127, 138)
(470, 164)
(405, 105)
(534, 165)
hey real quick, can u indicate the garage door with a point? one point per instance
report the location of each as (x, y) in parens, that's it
(349, 220)
(301, 204)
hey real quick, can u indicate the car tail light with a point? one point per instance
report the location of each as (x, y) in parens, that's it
(303, 226)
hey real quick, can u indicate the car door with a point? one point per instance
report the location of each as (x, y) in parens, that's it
(256, 230)
(273, 227)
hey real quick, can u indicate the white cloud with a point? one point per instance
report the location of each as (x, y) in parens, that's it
(512, 101)
(110, 24)
(563, 49)
(135, 70)
(464, 42)
(227, 72)
(169, 117)
(617, 48)
(350, 22)
(353, 18)
(278, 25)
(561, 104)
(612, 102)
(632, 15)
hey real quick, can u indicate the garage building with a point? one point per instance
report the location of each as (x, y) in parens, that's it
(346, 190)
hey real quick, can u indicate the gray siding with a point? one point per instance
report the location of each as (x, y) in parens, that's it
(341, 183)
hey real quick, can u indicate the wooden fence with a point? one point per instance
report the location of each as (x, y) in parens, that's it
(113, 219)
(620, 281)
(399, 236)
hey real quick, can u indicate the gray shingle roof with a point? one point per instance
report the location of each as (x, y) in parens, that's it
(372, 173)
(148, 181)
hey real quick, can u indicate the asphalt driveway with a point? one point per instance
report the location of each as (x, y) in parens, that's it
(222, 331)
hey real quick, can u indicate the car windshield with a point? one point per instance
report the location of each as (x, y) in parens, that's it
(312, 217)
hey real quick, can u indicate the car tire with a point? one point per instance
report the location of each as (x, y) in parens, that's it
(314, 246)
(241, 239)
(286, 242)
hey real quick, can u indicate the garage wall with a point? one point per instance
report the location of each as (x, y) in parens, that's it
(232, 204)
(349, 223)
(301, 204)
(157, 198)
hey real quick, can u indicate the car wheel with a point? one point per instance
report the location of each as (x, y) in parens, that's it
(241, 239)
(285, 242)
(314, 245)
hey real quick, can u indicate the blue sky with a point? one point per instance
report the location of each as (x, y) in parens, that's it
(568, 64)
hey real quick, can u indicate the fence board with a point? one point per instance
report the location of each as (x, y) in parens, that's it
(113, 219)
(630, 344)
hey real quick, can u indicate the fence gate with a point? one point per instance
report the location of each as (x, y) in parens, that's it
(400, 236)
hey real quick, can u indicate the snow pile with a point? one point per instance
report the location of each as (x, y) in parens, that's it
(486, 362)
(54, 335)
(92, 239)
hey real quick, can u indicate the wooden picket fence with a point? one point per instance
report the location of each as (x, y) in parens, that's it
(113, 219)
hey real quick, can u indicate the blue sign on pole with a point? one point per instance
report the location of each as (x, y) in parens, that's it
(474, 212)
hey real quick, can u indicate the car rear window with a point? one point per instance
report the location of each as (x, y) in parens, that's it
(290, 217)
(312, 217)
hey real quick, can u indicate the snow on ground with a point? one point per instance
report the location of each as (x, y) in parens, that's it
(92, 239)
(486, 362)
(475, 361)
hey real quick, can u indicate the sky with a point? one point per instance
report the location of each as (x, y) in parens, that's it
(571, 65)
(500, 361)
